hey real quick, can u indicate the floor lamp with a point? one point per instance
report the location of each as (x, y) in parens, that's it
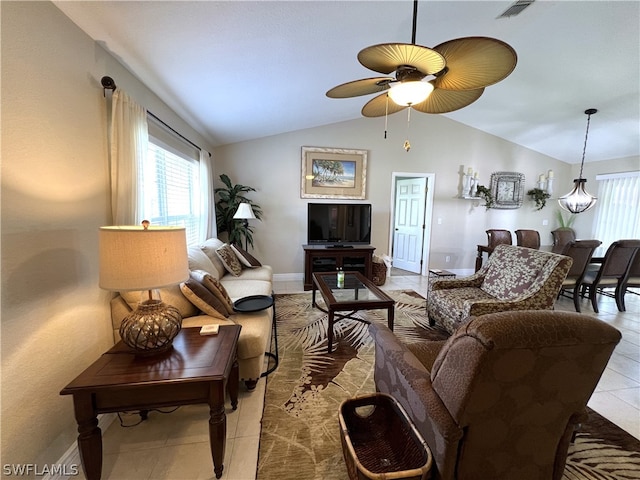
(244, 213)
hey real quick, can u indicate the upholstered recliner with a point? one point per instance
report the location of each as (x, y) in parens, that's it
(502, 397)
(514, 278)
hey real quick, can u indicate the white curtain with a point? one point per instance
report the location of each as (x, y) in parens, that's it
(617, 211)
(129, 141)
(207, 204)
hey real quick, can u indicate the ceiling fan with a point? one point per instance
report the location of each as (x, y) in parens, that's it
(441, 79)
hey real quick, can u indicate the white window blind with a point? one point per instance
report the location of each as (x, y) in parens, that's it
(170, 183)
(617, 211)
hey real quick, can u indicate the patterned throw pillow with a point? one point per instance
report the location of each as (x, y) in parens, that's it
(202, 298)
(229, 260)
(214, 286)
(246, 259)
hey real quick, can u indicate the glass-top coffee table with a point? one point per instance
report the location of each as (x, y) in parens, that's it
(357, 293)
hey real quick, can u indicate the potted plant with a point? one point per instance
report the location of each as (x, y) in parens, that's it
(228, 199)
(539, 196)
(486, 194)
(567, 223)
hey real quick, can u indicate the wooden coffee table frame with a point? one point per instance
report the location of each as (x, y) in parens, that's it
(352, 281)
(198, 369)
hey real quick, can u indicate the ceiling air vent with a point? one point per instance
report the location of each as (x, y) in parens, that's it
(516, 8)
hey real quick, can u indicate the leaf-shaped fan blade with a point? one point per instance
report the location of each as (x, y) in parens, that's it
(360, 87)
(387, 57)
(380, 106)
(444, 101)
(475, 62)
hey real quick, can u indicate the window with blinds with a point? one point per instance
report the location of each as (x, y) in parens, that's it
(617, 211)
(170, 184)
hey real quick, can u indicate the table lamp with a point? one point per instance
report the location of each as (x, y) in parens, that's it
(244, 213)
(145, 258)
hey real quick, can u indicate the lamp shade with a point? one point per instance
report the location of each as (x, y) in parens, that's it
(578, 200)
(244, 211)
(410, 92)
(138, 258)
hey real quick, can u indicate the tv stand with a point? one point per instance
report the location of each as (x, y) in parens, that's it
(328, 258)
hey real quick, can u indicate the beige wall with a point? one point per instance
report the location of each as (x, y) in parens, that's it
(55, 319)
(439, 145)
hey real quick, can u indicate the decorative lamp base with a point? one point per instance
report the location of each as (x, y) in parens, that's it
(151, 328)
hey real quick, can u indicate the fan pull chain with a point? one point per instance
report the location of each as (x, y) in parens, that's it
(386, 116)
(407, 145)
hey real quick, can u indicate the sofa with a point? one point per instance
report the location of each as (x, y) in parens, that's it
(220, 274)
(503, 396)
(514, 278)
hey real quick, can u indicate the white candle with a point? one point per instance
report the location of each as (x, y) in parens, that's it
(475, 175)
(550, 173)
(541, 179)
(470, 171)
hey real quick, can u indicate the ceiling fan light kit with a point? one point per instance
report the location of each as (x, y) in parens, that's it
(449, 76)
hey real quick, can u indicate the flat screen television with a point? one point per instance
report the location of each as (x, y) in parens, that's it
(337, 224)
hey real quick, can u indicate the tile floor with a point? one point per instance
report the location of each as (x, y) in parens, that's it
(176, 445)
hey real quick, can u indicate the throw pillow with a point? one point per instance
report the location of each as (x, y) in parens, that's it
(209, 247)
(245, 258)
(214, 286)
(229, 260)
(202, 298)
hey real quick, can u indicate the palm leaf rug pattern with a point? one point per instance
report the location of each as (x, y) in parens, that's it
(300, 436)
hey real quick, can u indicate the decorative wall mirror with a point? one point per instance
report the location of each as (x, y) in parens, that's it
(507, 189)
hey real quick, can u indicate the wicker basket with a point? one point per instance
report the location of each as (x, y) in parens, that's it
(380, 442)
(379, 273)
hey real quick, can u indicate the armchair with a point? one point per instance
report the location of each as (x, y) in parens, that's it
(514, 278)
(504, 394)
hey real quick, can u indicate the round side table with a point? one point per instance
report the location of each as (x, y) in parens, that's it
(256, 303)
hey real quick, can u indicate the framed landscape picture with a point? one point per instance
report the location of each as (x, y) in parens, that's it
(333, 173)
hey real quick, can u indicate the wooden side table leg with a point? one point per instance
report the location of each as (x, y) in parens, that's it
(232, 384)
(89, 436)
(479, 260)
(217, 426)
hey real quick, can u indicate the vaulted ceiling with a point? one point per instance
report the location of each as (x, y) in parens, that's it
(238, 70)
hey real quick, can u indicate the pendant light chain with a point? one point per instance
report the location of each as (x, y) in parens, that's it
(584, 148)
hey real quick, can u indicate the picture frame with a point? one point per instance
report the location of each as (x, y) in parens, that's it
(337, 173)
(507, 189)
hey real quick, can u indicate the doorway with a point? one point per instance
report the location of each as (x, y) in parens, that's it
(410, 223)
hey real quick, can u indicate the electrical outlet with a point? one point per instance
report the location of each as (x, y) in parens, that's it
(439, 221)
(545, 222)
(447, 259)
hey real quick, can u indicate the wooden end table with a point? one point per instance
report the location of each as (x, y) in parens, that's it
(357, 293)
(197, 369)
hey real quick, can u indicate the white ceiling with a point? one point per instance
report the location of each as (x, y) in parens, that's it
(238, 70)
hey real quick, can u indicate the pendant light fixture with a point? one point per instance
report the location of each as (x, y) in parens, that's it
(579, 200)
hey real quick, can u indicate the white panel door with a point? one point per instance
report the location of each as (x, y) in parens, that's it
(408, 235)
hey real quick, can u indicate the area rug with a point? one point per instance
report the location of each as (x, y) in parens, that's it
(300, 436)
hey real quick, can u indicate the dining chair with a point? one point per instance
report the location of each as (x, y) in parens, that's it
(633, 279)
(613, 272)
(528, 238)
(581, 252)
(561, 237)
(495, 237)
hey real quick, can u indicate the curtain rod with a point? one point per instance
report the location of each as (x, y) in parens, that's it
(109, 84)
